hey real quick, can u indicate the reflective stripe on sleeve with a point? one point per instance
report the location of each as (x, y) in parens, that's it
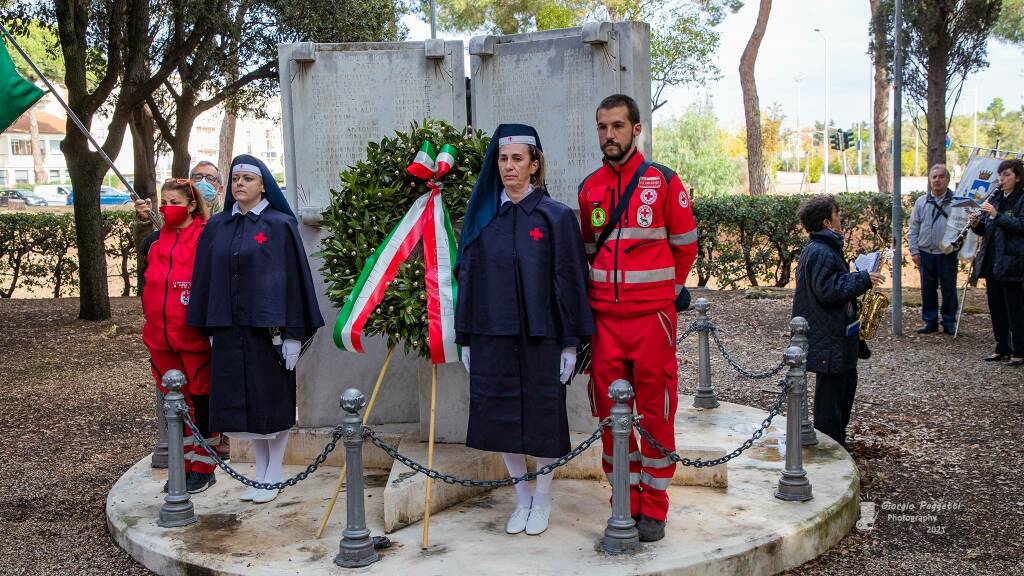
(683, 239)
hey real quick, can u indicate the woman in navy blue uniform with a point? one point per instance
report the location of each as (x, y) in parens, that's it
(252, 293)
(521, 310)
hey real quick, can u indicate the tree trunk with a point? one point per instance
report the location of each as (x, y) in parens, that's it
(226, 145)
(881, 139)
(938, 59)
(87, 170)
(181, 160)
(751, 104)
(37, 152)
(144, 151)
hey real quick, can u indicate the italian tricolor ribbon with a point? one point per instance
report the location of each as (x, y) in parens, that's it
(427, 218)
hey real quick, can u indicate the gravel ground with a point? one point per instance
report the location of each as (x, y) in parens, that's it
(931, 434)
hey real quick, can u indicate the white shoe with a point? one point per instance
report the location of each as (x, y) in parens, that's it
(249, 494)
(538, 521)
(264, 496)
(517, 521)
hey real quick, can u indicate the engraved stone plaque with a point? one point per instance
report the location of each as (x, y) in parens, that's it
(554, 80)
(335, 98)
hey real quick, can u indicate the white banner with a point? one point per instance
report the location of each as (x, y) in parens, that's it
(978, 181)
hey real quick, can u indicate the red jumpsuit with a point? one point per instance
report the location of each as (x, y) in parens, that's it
(172, 343)
(633, 282)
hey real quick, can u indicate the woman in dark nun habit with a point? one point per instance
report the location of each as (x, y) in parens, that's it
(252, 293)
(521, 309)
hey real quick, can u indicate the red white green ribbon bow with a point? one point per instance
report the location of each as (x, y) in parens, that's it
(427, 218)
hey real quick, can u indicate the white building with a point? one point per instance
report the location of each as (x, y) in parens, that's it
(260, 137)
(16, 165)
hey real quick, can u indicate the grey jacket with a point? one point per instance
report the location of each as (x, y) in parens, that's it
(928, 223)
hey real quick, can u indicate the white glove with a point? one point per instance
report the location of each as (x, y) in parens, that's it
(290, 350)
(465, 357)
(568, 364)
(211, 341)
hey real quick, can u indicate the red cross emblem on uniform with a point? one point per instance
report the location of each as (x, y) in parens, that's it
(260, 238)
(536, 234)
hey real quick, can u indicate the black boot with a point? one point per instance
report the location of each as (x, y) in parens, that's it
(196, 482)
(650, 530)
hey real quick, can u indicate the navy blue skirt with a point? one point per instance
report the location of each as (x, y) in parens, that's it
(516, 403)
(250, 390)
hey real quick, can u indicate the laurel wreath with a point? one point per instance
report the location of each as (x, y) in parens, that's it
(372, 197)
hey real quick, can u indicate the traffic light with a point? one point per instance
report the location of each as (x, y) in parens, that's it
(836, 139)
(847, 140)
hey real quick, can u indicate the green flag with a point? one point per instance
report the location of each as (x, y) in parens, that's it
(16, 93)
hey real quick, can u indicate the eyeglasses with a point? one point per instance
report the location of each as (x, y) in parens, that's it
(212, 178)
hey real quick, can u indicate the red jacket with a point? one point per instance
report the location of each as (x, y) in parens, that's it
(649, 254)
(168, 284)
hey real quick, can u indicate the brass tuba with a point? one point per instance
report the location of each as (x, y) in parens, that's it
(873, 304)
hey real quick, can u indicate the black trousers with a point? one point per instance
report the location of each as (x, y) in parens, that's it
(833, 402)
(1006, 306)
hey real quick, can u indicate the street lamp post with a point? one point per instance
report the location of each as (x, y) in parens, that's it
(824, 139)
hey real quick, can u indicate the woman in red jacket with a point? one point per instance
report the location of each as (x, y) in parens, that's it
(173, 344)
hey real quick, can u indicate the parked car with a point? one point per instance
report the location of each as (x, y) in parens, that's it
(30, 198)
(54, 194)
(109, 196)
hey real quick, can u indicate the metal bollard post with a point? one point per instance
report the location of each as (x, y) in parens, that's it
(356, 548)
(621, 536)
(177, 509)
(793, 484)
(798, 328)
(159, 459)
(705, 396)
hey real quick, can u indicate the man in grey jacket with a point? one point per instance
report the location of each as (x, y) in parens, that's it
(938, 270)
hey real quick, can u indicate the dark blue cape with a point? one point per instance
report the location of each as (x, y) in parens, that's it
(251, 270)
(526, 274)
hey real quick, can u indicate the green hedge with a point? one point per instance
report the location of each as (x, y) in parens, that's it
(743, 241)
(756, 240)
(37, 251)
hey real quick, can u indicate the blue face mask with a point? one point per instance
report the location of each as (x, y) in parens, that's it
(207, 190)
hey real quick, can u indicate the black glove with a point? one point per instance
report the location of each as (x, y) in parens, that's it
(683, 300)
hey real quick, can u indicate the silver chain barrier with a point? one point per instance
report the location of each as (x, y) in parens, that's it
(336, 435)
(698, 326)
(469, 482)
(700, 463)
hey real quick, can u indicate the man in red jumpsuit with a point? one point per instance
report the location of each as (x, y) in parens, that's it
(636, 287)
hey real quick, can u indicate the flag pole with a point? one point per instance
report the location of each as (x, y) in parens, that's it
(71, 114)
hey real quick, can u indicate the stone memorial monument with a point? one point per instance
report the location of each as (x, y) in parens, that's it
(335, 98)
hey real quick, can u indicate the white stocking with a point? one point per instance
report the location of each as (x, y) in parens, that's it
(261, 455)
(542, 493)
(516, 464)
(276, 460)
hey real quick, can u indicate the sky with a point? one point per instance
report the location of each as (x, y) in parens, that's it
(791, 49)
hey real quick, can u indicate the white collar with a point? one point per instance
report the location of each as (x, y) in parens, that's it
(505, 198)
(257, 209)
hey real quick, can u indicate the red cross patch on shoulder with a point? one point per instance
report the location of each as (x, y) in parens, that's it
(260, 238)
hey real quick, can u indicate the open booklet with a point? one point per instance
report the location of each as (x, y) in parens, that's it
(868, 262)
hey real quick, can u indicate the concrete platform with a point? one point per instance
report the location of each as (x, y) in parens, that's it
(736, 529)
